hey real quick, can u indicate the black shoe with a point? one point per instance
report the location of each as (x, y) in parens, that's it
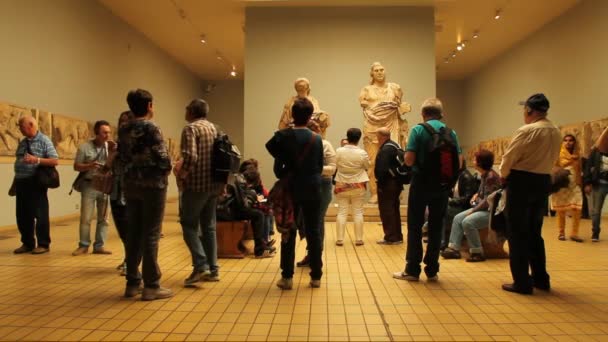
(543, 286)
(271, 243)
(450, 253)
(513, 288)
(595, 237)
(304, 262)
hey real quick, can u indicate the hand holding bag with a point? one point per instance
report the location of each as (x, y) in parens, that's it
(103, 180)
(47, 176)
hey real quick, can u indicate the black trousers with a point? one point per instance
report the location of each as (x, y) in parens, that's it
(121, 220)
(145, 216)
(257, 219)
(420, 197)
(32, 213)
(388, 205)
(526, 202)
(307, 198)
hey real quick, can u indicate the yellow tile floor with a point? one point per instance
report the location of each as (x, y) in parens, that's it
(59, 297)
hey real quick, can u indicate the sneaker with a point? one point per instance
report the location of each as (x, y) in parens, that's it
(40, 250)
(339, 243)
(405, 276)
(595, 237)
(450, 253)
(359, 243)
(562, 237)
(159, 293)
(315, 283)
(476, 257)
(194, 278)
(432, 279)
(210, 276)
(23, 249)
(285, 283)
(386, 242)
(576, 238)
(267, 253)
(101, 250)
(122, 267)
(304, 262)
(80, 251)
(132, 291)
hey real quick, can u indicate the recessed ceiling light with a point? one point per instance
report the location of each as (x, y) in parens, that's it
(476, 34)
(203, 39)
(459, 47)
(498, 14)
(233, 73)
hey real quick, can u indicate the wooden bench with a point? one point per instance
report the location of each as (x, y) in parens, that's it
(490, 250)
(231, 239)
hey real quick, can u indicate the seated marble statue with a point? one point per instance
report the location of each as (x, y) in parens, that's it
(382, 107)
(302, 87)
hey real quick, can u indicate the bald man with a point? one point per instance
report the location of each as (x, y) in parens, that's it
(32, 201)
(389, 188)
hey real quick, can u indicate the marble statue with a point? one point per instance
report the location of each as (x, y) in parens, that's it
(382, 107)
(302, 86)
(9, 126)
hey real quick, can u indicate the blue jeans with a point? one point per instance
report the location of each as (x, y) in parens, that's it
(197, 217)
(598, 196)
(469, 226)
(326, 196)
(91, 198)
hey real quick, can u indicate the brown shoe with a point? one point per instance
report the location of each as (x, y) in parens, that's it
(40, 250)
(159, 293)
(132, 291)
(80, 251)
(22, 249)
(101, 250)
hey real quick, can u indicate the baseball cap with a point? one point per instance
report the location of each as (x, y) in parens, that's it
(538, 102)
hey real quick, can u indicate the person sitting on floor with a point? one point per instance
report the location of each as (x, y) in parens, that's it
(470, 221)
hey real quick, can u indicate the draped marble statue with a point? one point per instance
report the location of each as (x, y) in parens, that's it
(382, 107)
(302, 86)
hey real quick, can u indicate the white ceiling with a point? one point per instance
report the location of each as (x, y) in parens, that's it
(176, 26)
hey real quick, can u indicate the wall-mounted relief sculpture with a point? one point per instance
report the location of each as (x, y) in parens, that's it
(68, 134)
(45, 123)
(9, 126)
(592, 133)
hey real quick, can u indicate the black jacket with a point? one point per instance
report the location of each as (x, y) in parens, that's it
(385, 160)
(468, 184)
(592, 168)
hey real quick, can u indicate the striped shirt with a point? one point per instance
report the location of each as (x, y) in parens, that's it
(197, 150)
(40, 146)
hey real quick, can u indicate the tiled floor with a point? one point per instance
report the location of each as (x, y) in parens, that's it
(59, 297)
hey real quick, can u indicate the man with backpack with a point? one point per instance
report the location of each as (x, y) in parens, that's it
(433, 153)
(389, 188)
(199, 192)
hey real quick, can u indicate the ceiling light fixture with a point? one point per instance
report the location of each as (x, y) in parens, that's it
(203, 39)
(459, 47)
(233, 73)
(476, 34)
(446, 60)
(463, 43)
(453, 54)
(497, 14)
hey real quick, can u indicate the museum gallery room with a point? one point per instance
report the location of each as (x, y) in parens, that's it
(367, 67)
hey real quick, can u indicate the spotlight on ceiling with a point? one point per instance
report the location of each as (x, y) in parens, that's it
(476, 34)
(498, 14)
(459, 47)
(203, 39)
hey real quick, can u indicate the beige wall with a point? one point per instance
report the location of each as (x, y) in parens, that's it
(225, 100)
(75, 58)
(453, 96)
(565, 59)
(334, 48)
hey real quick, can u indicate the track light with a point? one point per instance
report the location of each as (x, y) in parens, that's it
(233, 73)
(446, 60)
(453, 54)
(476, 34)
(459, 47)
(203, 39)
(498, 14)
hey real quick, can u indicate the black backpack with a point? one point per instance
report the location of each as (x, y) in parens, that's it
(441, 163)
(226, 157)
(398, 169)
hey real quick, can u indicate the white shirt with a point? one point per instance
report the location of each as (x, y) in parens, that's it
(352, 163)
(329, 160)
(534, 148)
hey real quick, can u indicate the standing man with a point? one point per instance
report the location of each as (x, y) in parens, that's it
(199, 192)
(32, 201)
(595, 179)
(526, 166)
(143, 155)
(389, 188)
(90, 157)
(427, 190)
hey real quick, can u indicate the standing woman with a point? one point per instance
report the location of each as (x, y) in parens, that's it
(352, 163)
(118, 203)
(569, 198)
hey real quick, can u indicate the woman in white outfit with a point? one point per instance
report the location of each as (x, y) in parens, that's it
(352, 163)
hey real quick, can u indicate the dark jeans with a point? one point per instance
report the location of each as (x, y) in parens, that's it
(198, 219)
(121, 221)
(258, 224)
(326, 197)
(32, 213)
(145, 216)
(422, 196)
(451, 211)
(388, 204)
(526, 202)
(307, 197)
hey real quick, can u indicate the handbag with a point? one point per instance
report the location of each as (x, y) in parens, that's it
(12, 191)
(103, 180)
(47, 176)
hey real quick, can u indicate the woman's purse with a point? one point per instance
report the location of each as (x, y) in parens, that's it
(103, 180)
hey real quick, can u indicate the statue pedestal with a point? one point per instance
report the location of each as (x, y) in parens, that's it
(370, 213)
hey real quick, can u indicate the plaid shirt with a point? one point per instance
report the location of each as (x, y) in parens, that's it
(197, 150)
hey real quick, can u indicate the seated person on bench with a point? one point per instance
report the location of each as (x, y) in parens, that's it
(470, 221)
